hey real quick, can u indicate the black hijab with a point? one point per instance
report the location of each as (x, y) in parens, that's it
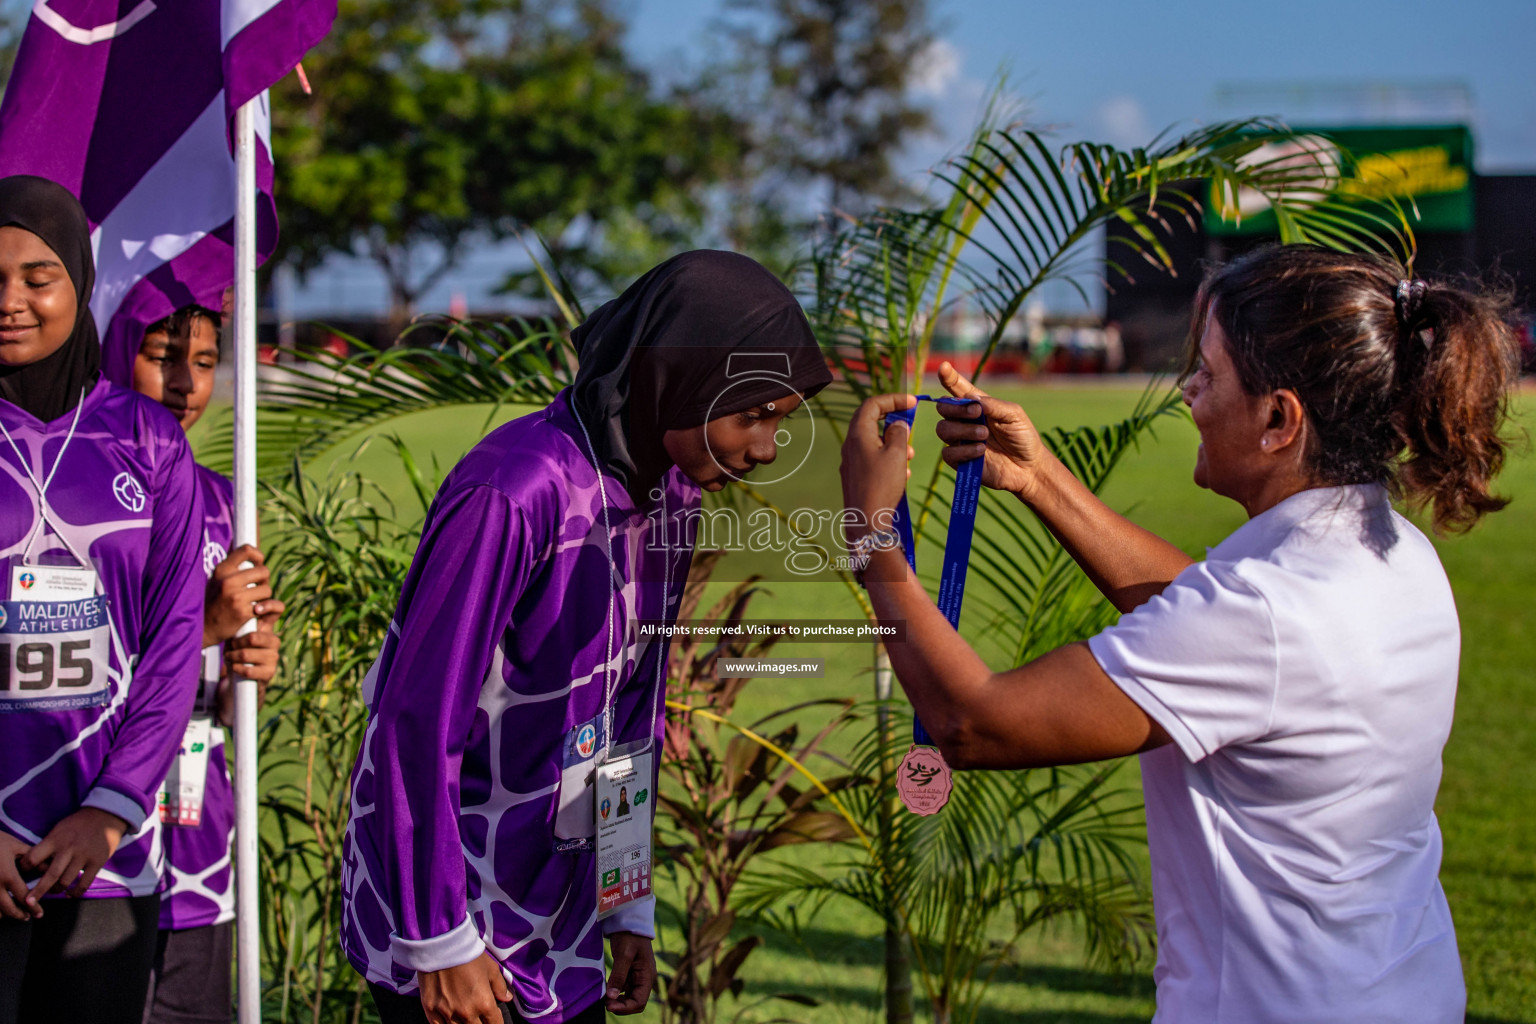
(705, 334)
(51, 387)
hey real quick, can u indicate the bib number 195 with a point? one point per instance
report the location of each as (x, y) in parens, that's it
(53, 655)
(43, 664)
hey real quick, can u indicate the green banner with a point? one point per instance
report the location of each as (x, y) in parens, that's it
(1428, 168)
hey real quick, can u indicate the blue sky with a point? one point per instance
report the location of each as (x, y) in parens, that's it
(1120, 71)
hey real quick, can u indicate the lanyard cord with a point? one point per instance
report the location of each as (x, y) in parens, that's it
(610, 682)
(957, 542)
(44, 513)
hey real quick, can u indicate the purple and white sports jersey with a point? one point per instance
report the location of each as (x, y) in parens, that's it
(125, 497)
(197, 858)
(498, 650)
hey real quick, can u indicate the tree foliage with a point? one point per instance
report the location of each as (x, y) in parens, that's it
(825, 88)
(437, 122)
(12, 23)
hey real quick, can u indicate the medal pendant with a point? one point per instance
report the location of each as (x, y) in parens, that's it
(924, 781)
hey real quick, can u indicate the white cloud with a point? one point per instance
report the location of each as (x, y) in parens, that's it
(935, 69)
(1122, 121)
(955, 99)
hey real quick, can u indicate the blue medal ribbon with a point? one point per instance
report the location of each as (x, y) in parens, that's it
(957, 542)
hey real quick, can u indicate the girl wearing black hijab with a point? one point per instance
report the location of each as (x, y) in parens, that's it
(100, 626)
(510, 671)
(46, 371)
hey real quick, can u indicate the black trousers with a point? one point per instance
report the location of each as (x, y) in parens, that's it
(86, 961)
(397, 1009)
(192, 982)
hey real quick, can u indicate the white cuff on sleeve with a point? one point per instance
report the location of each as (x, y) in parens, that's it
(638, 917)
(113, 802)
(453, 948)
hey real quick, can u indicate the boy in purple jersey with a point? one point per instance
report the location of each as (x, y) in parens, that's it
(100, 540)
(469, 868)
(176, 367)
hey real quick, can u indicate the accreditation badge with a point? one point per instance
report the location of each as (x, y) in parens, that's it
(52, 582)
(624, 802)
(181, 797)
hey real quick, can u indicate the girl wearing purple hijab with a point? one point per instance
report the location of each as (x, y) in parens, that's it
(100, 551)
(469, 866)
(191, 981)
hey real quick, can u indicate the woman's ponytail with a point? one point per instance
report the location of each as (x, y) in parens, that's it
(1457, 359)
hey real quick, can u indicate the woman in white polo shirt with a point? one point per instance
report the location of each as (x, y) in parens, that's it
(1291, 694)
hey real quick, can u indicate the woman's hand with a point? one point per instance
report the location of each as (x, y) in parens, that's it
(74, 850)
(13, 891)
(470, 993)
(874, 468)
(1014, 452)
(633, 974)
(236, 595)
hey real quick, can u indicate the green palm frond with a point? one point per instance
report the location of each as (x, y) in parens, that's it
(1021, 213)
(1028, 596)
(341, 549)
(326, 400)
(1041, 205)
(1010, 851)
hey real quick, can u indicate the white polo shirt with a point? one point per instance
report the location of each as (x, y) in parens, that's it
(1306, 671)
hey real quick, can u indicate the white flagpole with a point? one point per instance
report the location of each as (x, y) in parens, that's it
(247, 908)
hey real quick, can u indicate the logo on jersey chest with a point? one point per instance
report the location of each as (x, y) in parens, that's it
(213, 554)
(129, 492)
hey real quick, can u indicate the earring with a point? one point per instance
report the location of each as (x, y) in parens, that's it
(1264, 443)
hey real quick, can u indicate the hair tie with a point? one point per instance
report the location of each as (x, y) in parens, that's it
(1410, 294)
(1409, 297)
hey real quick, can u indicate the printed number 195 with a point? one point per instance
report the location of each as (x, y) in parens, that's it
(38, 666)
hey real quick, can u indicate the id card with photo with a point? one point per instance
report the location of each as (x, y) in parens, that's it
(624, 803)
(181, 798)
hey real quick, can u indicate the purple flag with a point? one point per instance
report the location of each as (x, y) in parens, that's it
(129, 104)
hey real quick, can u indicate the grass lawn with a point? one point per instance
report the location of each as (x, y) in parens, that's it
(1489, 869)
